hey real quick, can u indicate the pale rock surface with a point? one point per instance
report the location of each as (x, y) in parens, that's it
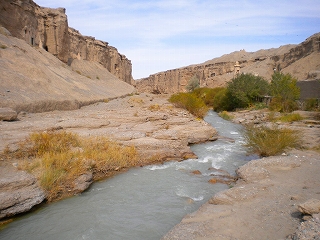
(19, 192)
(8, 114)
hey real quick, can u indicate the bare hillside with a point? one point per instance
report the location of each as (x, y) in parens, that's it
(34, 80)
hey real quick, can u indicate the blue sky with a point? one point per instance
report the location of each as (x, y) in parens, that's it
(160, 35)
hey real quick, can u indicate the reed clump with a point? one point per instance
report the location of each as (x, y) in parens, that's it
(270, 141)
(57, 158)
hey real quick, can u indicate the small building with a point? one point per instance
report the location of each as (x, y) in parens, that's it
(236, 69)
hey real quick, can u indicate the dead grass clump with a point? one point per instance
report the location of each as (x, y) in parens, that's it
(154, 107)
(134, 100)
(271, 141)
(58, 158)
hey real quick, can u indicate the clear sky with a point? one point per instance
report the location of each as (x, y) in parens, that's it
(158, 35)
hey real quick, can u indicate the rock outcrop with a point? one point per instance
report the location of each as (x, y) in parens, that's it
(33, 80)
(297, 60)
(19, 192)
(8, 114)
(48, 28)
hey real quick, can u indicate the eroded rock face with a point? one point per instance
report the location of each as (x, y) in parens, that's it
(48, 28)
(19, 192)
(297, 60)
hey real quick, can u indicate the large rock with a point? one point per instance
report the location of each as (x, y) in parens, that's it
(19, 192)
(8, 114)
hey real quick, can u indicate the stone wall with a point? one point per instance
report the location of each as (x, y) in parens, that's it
(48, 28)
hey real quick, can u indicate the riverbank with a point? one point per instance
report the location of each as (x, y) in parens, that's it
(264, 202)
(159, 132)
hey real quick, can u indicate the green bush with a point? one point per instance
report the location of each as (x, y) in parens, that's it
(190, 102)
(267, 141)
(207, 94)
(245, 90)
(285, 92)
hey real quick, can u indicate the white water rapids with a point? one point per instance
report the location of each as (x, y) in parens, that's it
(143, 203)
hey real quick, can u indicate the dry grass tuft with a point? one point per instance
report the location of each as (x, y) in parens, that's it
(225, 115)
(267, 141)
(58, 158)
(154, 107)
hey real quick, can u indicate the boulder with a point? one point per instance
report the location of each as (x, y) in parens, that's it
(8, 114)
(19, 192)
(83, 182)
(312, 206)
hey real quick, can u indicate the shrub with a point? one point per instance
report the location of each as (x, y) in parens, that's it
(207, 94)
(60, 157)
(220, 100)
(193, 84)
(244, 90)
(225, 115)
(189, 102)
(311, 104)
(285, 91)
(291, 117)
(271, 141)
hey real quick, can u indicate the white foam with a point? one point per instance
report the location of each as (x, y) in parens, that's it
(182, 193)
(234, 133)
(157, 167)
(205, 160)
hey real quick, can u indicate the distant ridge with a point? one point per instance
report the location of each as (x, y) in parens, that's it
(297, 60)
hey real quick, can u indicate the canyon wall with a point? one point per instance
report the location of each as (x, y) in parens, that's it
(297, 60)
(48, 28)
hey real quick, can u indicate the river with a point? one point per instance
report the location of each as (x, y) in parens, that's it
(142, 203)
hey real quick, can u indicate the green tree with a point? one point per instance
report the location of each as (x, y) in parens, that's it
(193, 84)
(285, 91)
(244, 90)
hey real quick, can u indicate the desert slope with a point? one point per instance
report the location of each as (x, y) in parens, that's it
(32, 76)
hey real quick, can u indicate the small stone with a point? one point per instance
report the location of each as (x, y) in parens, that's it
(196, 172)
(213, 181)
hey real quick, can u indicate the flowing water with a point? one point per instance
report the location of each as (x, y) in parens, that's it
(143, 203)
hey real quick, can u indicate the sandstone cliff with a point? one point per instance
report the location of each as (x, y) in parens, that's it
(297, 60)
(34, 80)
(48, 28)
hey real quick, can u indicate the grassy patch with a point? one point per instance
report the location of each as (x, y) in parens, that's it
(291, 117)
(58, 158)
(190, 102)
(225, 115)
(267, 141)
(3, 46)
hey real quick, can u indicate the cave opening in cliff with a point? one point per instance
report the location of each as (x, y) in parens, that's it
(46, 48)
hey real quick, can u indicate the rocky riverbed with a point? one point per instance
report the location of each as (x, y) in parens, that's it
(267, 201)
(157, 129)
(270, 197)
